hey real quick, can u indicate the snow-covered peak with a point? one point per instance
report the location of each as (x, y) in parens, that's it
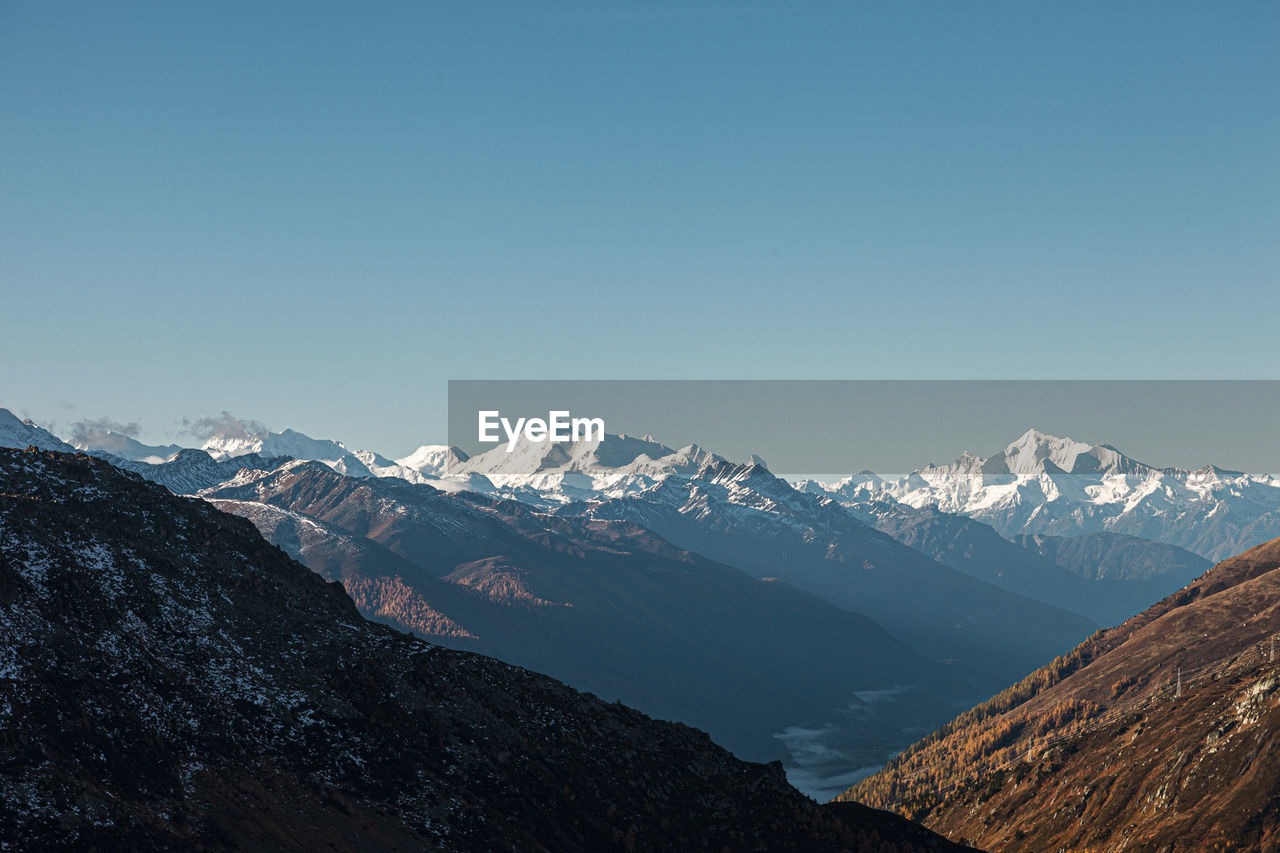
(864, 480)
(434, 459)
(100, 441)
(1043, 483)
(546, 474)
(19, 433)
(372, 459)
(747, 478)
(687, 459)
(1026, 457)
(1033, 455)
(287, 443)
(968, 465)
(294, 444)
(530, 458)
(223, 447)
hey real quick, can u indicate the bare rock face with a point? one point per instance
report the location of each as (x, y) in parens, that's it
(1156, 735)
(168, 679)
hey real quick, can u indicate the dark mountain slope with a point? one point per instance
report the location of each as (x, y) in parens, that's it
(605, 606)
(1156, 735)
(170, 679)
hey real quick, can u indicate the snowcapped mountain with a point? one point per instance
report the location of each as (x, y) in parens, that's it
(192, 471)
(290, 443)
(19, 433)
(105, 441)
(1039, 484)
(543, 474)
(530, 459)
(434, 460)
(435, 465)
(1036, 453)
(1042, 484)
(547, 474)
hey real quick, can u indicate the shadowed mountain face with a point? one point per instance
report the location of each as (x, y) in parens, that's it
(1155, 735)
(605, 606)
(1107, 577)
(1116, 557)
(747, 517)
(170, 679)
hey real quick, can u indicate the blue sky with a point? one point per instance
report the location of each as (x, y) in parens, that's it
(315, 214)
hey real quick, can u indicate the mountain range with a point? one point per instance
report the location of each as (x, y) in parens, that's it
(123, 446)
(749, 518)
(710, 592)
(169, 680)
(1037, 485)
(1105, 576)
(605, 606)
(689, 657)
(1041, 484)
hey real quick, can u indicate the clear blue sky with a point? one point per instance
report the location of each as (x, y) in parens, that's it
(315, 214)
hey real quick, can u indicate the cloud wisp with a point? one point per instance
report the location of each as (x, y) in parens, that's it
(223, 424)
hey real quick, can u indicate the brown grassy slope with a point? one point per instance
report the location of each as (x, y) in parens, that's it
(1096, 750)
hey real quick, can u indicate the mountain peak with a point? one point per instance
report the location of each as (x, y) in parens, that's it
(530, 458)
(434, 459)
(123, 445)
(289, 442)
(22, 433)
(1036, 436)
(1036, 453)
